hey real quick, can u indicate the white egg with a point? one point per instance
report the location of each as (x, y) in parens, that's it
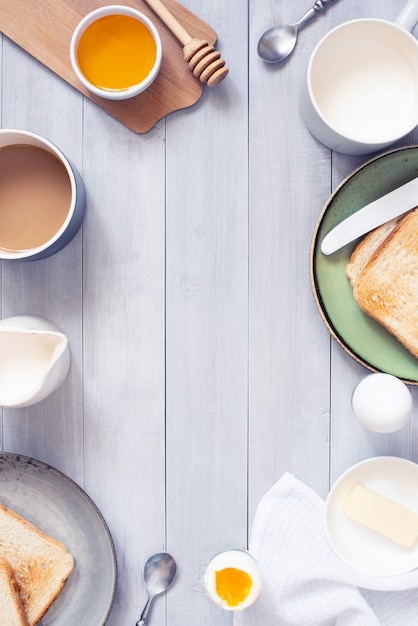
(233, 579)
(382, 403)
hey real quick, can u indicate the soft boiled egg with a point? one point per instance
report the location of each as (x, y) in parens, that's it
(233, 580)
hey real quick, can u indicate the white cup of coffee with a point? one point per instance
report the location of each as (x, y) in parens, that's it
(42, 197)
(360, 93)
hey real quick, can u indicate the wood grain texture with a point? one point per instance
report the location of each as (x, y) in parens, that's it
(207, 324)
(51, 288)
(44, 30)
(201, 370)
(123, 330)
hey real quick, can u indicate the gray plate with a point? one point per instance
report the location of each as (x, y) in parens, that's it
(58, 506)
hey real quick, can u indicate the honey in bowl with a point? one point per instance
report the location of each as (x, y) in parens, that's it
(116, 52)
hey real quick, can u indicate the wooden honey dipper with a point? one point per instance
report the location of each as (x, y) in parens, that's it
(204, 61)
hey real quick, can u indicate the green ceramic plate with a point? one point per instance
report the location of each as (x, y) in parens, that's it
(363, 338)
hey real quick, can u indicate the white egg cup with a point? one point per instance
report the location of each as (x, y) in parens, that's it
(236, 559)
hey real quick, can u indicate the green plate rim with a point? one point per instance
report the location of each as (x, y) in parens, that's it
(318, 289)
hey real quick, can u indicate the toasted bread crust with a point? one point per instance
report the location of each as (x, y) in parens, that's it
(11, 606)
(41, 564)
(367, 247)
(386, 288)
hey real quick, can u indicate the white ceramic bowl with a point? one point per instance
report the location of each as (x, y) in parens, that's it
(115, 94)
(360, 93)
(362, 548)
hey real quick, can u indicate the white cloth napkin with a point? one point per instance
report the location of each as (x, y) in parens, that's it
(304, 582)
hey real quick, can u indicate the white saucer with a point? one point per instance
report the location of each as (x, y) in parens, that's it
(361, 547)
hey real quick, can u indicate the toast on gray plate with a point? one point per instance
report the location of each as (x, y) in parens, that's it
(11, 606)
(383, 272)
(41, 564)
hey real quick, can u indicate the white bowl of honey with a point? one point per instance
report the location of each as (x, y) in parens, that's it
(116, 52)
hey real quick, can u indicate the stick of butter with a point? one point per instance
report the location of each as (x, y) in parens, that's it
(382, 515)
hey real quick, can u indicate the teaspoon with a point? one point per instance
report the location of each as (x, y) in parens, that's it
(278, 42)
(159, 572)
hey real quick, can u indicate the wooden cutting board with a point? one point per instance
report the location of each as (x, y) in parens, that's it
(44, 28)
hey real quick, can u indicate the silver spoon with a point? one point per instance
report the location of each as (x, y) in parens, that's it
(159, 572)
(278, 42)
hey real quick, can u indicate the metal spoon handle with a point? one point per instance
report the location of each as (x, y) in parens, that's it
(143, 619)
(317, 7)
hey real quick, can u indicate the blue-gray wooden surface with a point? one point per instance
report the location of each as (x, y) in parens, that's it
(201, 369)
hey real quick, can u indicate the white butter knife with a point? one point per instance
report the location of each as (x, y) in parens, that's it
(393, 204)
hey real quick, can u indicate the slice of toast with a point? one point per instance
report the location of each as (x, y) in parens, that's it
(386, 288)
(40, 563)
(363, 252)
(11, 606)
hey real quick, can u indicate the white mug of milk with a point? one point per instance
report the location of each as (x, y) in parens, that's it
(360, 93)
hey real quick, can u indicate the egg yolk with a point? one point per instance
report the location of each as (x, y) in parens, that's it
(232, 585)
(116, 52)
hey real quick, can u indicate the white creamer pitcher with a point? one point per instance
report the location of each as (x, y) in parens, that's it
(34, 360)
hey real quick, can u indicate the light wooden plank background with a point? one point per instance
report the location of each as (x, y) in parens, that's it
(201, 370)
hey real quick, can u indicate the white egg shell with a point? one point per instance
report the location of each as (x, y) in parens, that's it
(382, 403)
(239, 559)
